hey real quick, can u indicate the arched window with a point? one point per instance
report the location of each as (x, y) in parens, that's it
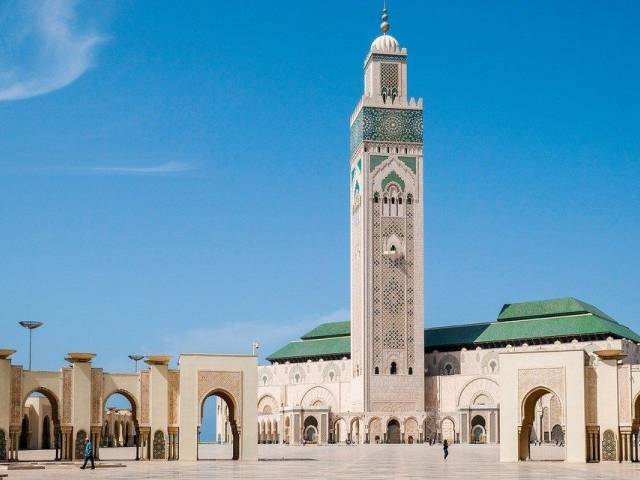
(394, 368)
(410, 370)
(297, 378)
(385, 200)
(409, 199)
(448, 369)
(376, 371)
(376, 198)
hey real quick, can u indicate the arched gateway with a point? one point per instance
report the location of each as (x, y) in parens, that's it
(165, 405)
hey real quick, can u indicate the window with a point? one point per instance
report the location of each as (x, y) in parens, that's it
(297, 378)
(394, 368)
(376, 371)
(409, 199)
(264, 380)
(376, 198)
(410, 370)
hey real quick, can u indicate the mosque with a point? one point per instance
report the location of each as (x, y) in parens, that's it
(383, 378)
(557, 372)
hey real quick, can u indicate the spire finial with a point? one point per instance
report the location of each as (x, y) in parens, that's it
(384, 26)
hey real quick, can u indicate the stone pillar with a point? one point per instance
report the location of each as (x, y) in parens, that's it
(81, 396)
(158, 398)
(607, 374)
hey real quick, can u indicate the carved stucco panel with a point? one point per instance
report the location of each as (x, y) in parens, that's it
(174, 392)
(67, 395)
(394, 406)
(96, 396)
(16, 395)
(551, 378)
(230, 382)
(591, 380)
(144, 397)
(624, 395)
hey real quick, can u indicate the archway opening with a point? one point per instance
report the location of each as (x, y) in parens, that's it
(393, 431)
(120, 436)
(218, 437)
(40, 427)
(478, 429)
(340, 434)
(541, 413)
(310, 432)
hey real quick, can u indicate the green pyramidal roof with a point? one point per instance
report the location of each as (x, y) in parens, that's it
(332, 329)
(545, 320)
(557, 307)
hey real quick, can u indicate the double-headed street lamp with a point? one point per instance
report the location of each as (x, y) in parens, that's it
(136, 358)
(31, 326)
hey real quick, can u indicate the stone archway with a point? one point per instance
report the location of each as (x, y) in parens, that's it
(393, 431)
(528, 412)
(141, 442)
(478, 429)
(53, 421)
(233, 415)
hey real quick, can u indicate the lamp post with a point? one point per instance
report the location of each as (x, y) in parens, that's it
(136, 358)
(31, 326)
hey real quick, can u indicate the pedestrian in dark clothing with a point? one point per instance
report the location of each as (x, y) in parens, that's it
(445, 447)
(88, 454)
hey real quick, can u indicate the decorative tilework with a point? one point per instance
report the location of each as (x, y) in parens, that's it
(409, 162)
(386, 125)
(385, 57)
(375, 160)
(393, 177)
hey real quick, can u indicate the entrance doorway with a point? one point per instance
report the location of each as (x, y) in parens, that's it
(393, 431)
(536, 436)
(218, 437)
(119, 438)
(40, 427)
(310, 430)
(478, 430)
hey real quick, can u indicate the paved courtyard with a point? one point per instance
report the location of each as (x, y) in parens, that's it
(344, 462)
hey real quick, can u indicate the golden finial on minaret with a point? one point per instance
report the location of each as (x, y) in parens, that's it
(384, 26)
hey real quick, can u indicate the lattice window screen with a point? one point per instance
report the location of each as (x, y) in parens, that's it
(389, 76)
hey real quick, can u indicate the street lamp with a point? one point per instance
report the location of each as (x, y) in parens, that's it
(31, 326)
(136, 358)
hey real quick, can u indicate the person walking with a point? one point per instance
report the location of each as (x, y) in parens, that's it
(88, 454)
(445, 447)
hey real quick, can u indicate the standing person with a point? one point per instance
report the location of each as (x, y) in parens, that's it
(445, 447)
(88, 454)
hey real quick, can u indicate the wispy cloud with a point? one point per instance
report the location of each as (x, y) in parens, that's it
(169, 168)
(236, 337)
(42, 47)
(166, 169)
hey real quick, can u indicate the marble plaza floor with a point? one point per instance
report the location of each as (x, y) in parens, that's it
(344, 462)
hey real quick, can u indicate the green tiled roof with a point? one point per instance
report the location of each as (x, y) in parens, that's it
(322, 347)
(439, 337)
(547, 319)
(332, 329)
(560, 326)
(549, 308)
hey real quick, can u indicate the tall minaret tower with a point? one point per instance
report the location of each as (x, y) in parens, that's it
(387, 298)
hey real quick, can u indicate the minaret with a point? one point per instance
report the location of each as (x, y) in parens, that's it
(387, 272)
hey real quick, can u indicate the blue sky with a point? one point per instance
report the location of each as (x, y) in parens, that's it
(176, 179)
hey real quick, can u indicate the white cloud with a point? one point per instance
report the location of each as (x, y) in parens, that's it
(237, 337)
(169, 168)
(42, 47)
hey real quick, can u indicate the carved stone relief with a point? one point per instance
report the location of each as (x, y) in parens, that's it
(16, 395)
(174, 391)
(230, 382)
(67, 395)
(96, 396)
(144, 397)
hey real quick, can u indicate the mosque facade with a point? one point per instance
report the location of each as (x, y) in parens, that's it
(383, 378)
